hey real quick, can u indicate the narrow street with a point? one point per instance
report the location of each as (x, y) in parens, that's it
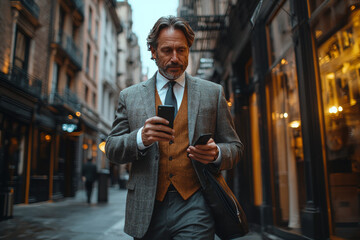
(71, 218)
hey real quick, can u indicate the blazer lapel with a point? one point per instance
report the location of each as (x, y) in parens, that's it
(193, 104)
(148, 96)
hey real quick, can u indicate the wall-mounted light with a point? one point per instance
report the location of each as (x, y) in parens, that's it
(70, 116)
(85, 146)
(78, 114)
(102, 146)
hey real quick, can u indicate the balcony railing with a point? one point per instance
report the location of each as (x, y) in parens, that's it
(20, 79)
(68, 45)
(66, 97)
(29, 5)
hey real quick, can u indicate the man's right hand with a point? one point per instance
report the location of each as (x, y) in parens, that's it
(156, 129)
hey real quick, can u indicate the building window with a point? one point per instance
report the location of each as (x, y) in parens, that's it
(21, 56)
(94, 99)
(88, 58)
(96, 29)
(70, 83)
(286, 146)
(339, 69)
(90, 20)
(86, 93)
(95, 67)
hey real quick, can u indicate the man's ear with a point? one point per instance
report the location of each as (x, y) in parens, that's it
(153, 52)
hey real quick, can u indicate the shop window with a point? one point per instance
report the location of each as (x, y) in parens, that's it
(13, 152)
(279, 32)
(339, 69)
(286, 143)
(314, 4)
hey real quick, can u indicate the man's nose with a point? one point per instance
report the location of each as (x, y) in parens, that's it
(174, 57)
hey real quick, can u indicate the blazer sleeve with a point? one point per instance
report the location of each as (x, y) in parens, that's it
(121, 146)
(225, 135)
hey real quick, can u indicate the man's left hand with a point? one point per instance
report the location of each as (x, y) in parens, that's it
(205, 154)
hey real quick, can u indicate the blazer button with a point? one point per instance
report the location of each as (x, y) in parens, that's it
(171, 142)
(170, 158)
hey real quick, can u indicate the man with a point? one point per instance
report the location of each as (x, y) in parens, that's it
(164, 199)
(89, 176)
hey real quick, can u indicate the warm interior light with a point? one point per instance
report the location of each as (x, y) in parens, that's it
(229, 103)
(70, 116)
(340, 108)
(102, 146)
(352, 8)
(333, 109)
(295, 124)
(78, 114)
(47, 137)
(318, 33)
(286, 115)
(330, 76)
(85, 146)
(283, 61)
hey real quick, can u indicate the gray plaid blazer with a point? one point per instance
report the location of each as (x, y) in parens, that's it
(208, 112)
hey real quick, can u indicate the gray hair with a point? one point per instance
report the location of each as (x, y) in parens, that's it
(169, 22)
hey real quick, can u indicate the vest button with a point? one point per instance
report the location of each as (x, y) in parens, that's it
(171, 175)
(171, 142)
(170, 158)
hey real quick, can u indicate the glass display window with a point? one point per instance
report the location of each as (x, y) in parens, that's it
(339, 70)
(286, 142)
(314, 4)
(279, 33)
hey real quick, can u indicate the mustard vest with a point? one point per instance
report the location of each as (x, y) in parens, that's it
(174, 166)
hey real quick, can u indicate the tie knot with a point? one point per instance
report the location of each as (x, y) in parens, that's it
(171, 84)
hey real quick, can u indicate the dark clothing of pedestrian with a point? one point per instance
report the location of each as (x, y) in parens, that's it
(89, 173)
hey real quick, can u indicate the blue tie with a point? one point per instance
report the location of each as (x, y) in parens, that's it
(170, 98)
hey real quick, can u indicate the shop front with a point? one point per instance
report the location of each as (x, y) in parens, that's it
(297, 108)
(336, 32)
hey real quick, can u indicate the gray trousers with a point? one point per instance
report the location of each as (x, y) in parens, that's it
(178, 219)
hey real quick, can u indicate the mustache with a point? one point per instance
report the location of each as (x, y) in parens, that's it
(174, 65)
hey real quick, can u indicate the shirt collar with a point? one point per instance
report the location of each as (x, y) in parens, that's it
(161, 81)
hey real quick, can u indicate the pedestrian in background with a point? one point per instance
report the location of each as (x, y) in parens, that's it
(89, 176)
(164, 198)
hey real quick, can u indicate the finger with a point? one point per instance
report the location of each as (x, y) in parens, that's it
(204, 150)
(202, 158)
(157, 120)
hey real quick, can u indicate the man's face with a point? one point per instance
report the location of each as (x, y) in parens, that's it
(172, 53)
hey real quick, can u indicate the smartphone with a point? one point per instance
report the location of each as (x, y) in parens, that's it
(203, 139)
(167, 112)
